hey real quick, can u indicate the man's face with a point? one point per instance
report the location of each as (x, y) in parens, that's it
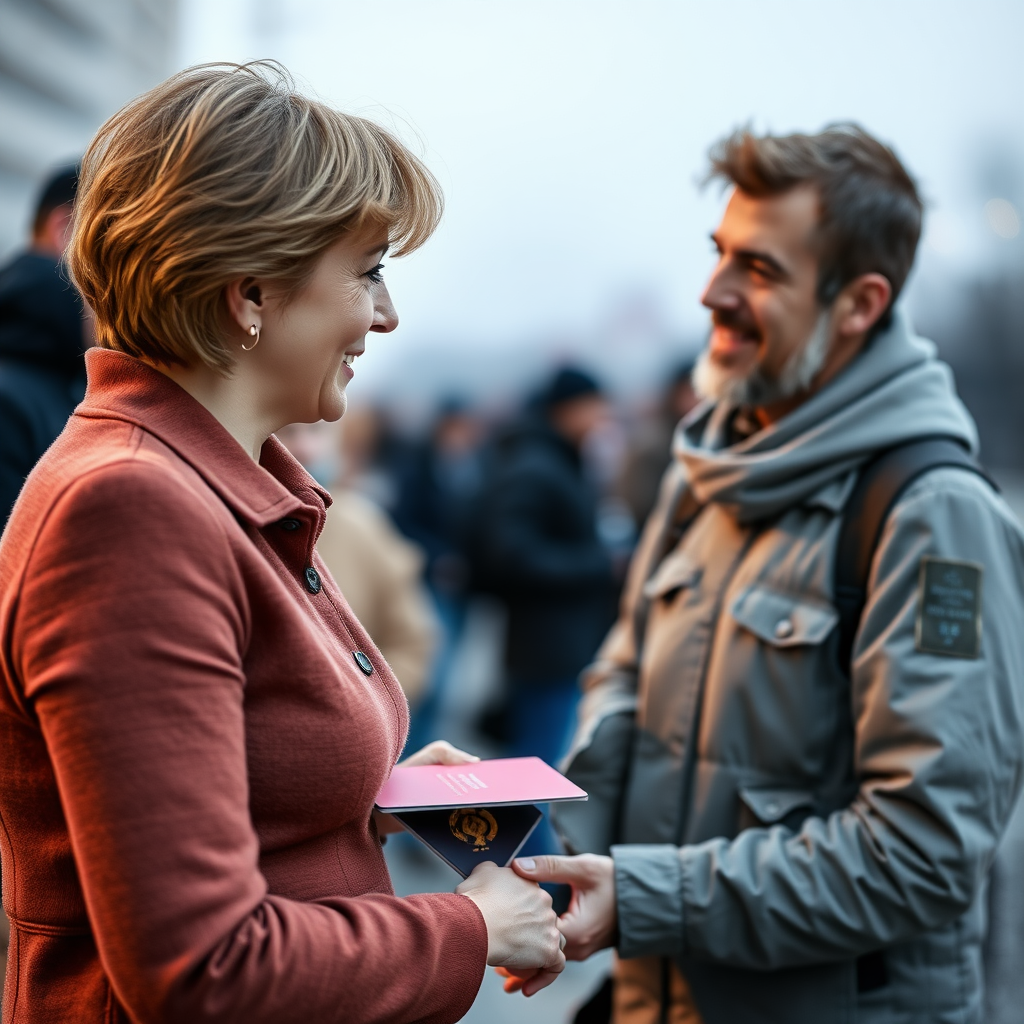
(577, 418)
(770, 337)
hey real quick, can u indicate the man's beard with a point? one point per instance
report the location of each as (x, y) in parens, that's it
(710, 380)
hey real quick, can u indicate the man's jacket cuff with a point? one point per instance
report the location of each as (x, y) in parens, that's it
(649, 899)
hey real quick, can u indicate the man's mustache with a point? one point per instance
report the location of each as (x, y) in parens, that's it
(732, 319)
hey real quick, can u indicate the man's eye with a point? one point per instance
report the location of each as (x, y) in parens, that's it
(375, 274)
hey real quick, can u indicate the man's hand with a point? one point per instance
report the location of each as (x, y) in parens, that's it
(438, 752)
(589, 923)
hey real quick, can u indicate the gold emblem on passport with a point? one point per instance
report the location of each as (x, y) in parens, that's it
(473, 825)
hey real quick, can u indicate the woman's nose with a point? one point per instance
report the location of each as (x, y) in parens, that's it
(385, 318)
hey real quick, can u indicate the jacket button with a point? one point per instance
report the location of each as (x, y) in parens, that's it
(772, 808)
(783, 629)
(289, 524)
(363, 662)
(313, 584)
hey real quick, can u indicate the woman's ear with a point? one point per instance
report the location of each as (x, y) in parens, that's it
(244, 300)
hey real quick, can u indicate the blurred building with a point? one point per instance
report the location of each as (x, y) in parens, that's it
(65, 66)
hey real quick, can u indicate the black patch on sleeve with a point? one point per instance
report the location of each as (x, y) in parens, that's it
(949, 608)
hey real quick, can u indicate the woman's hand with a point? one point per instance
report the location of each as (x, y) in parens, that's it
(438, 752)
(522, 930)
(589, 923)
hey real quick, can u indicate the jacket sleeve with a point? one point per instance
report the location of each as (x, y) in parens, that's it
(938, 756)
(129, 639)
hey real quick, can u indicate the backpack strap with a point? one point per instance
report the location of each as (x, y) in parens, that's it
(880, 483)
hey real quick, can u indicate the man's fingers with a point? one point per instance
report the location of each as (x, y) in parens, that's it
(540, 980)
(552, 869)
(514, 977)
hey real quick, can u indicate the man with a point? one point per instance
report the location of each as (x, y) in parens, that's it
(43, 333)
(803, 835)
(539, 550)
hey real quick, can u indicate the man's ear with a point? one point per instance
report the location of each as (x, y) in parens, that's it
(244, 300)
(862, 302)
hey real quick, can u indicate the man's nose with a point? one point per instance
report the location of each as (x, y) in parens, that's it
(385, 318)
(718, 292)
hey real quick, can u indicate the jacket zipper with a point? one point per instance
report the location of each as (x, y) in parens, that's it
(690, 760)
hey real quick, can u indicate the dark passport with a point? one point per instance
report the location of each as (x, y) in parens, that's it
(467, 836)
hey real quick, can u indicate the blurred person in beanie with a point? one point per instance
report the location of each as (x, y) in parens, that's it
(804, 737)
(540, 552)
(43, 333)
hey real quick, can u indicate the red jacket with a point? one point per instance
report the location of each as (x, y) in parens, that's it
(189, 751)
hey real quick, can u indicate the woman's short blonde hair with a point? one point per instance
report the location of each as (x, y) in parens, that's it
(225, 172)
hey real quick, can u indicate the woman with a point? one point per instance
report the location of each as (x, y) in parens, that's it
(194, 724)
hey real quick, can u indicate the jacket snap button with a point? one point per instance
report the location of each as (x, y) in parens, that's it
(313, 583)
(772, 807)
(289, 524)
(363, 662)
(784, 628)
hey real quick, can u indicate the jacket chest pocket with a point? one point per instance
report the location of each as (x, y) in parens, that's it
(781, 620)
(782, 681)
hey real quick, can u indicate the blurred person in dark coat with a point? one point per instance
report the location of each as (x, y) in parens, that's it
(43, 333)
(541, 553)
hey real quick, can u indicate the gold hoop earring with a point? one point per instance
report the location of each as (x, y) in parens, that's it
(254, 332)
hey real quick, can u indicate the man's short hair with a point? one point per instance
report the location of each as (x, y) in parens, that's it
(220, 173)
(870, 210)
(58, 190)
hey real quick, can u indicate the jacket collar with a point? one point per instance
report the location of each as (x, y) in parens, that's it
(124, 388)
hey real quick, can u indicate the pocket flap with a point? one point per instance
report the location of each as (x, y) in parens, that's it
(783, 620)
(772, 805)
(675, 572)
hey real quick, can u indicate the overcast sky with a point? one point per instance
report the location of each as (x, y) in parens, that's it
(569, 136)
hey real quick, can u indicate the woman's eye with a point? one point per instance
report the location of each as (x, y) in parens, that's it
(375, 274)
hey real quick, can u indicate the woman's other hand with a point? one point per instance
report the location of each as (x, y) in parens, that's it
(522, 930)
(438, 752)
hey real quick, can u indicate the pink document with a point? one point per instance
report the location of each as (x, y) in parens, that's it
(503, 781)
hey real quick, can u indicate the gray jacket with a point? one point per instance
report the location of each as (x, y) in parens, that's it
(782, 822)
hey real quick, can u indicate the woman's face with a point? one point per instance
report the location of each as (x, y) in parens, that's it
(309, 342)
